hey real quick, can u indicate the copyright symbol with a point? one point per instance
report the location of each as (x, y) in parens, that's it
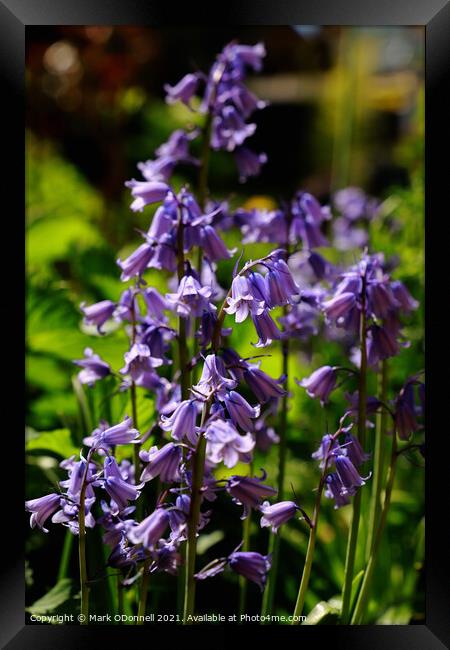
(81, 618)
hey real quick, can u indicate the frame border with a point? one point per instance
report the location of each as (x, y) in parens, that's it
(15, 16)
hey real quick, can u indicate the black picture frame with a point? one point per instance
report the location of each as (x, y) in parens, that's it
(15, 17)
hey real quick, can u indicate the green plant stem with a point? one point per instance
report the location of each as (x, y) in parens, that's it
(84, 584)
(364, 592)
(64, 563)
(198, 464)
(136, 447)
(356, 512)
(275, 539)
(378, 461)
(309, 552)
(246, 529)
(144, 592)
(120, 608)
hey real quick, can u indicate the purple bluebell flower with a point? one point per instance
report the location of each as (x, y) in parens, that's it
(381, 298)
(213, 246)
(150, 530)
(146, 193)
(156, 304)
(240, 410)
(321, 383)
(281, 284)
(225, 443)
(381, 344)
(94, 368)
(127, 307)
(248, 162)
(348, 474)
(325, 451)
(265, 436)
(191, 298)
(251, 565)
(214, 378)
(250, 55)
(230, 130)
(183, 91)
(257, 284)
(334, 490)
(139, 360)
(136, 263)
(266, 328)
(405, 412)
(338, 307)
(164, 462)
(212, 569)
(277, 514)
(118, 489)
(354, 450)
(42, 508)
(347, 236)
(249, 492)
(119, 434)
(98, 313)
(68, 515)
(182, 421)
(242, 302)
(263, 386)
(403, 297)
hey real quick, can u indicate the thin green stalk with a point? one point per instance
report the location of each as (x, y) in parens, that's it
(84, 584)
(120, 609)
(378, 461)
(356, 512)
(194, 516)
(136, 447)
(64, 563)
(274, 541)
(309, 552)
(364, 592)
(246, 528)
(144, 592)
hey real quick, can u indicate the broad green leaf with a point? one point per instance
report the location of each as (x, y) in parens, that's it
(58, 595)
(58, 441)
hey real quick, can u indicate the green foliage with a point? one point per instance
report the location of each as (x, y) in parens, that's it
(53, 599)
(58, 442)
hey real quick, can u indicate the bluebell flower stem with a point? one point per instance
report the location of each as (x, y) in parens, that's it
(356, 512)
(63, 570)
(120, 609)
(246, 529)
(144, 592)
(198, 464)
(379, 457)
(84, 584)
(364, 592)
(304, 583)
(274, 541)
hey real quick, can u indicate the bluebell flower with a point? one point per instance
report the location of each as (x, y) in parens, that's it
(98, 313)
(249, 492)
(251, 565)
(321, 383)
(183, 91)
(136, 263)
(348, 474)
(191, 298)
(240, 410)
(263, 386)
(139, 360)
(94, 368)
(146, 193)
(150, 530)
(182, 422)
(225, 444)
(242, 301)
(42, 508)
(324, 453)
(277, 514)
(334, 490)
(119, 490)
(120, 434)
(266, 328)
(164, 462)
(248, 162)
(405, 412)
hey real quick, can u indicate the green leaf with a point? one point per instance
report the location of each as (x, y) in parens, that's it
(324, 613)
(58, 595)
(58, 441)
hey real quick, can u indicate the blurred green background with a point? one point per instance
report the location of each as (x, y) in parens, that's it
(346, 108)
